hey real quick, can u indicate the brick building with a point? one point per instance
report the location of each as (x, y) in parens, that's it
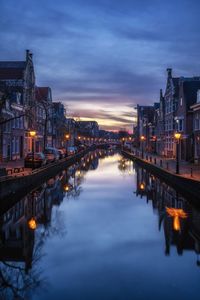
(17, 83)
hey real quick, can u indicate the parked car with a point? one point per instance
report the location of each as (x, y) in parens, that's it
(81, 148)
(71, 150)
(62, 153)
(39, 160)
(51, 154)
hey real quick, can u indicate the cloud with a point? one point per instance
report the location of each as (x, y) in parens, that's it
(103, 52)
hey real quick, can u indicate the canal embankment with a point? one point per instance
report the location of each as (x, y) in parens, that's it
(18, 186)
(188, 187)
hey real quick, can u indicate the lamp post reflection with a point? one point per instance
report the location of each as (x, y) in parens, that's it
(176, 214)
(32, 224)
(142, 139)
(142, 186)
(67, 137)
(177, 136)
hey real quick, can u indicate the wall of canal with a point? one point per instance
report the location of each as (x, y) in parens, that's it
(189, 188)
(18, 186)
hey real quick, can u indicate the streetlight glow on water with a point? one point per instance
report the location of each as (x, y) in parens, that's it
(115, 232)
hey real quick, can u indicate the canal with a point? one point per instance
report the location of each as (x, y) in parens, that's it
(102, 229)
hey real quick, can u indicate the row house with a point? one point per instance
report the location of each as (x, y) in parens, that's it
(25, 107)
(72, 132)
(160, 125)
(44, 111)
(171, 97)
(188, 89)
(59, 125)
(146, 127)
(180, 95)
(196, 128)
(88, 128)
(17, 88)
(178, 111)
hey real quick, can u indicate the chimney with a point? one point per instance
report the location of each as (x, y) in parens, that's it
(161, 94)
(169, 72)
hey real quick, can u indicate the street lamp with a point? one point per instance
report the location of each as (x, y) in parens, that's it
(32, 135)
(177, 136)
(142, 138)
(154, 139)
(123, 141)
(67, 136)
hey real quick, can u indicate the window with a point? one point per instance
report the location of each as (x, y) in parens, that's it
(197, 121)
(198, 96)
(181, 101)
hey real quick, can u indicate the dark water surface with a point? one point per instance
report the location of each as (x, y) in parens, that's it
(103, 232)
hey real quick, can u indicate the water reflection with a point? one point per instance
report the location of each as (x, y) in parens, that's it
(125, 166)
(21, 244)
(117, 234)
(179, 220)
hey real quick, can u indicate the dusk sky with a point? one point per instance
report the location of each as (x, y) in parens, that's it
(102, 57)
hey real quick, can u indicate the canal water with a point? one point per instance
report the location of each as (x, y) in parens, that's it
(102, 229)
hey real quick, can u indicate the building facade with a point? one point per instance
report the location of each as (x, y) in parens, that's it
(17, 85)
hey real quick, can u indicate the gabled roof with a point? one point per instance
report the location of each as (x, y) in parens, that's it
(12, 70)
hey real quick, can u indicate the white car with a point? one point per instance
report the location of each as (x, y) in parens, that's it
(51, 154)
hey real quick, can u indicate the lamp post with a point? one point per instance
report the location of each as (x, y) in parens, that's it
(32, 224)
(177, 136)
(123, 141)
(142, 139)
(32, 135)
(154, 139)
(67, 136)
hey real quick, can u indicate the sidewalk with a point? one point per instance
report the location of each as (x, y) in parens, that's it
(186, 169)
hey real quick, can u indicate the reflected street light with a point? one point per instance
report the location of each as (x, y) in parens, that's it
(142, 138)
(142, 186)
(177, 214)
(32, 223)
(177, 136)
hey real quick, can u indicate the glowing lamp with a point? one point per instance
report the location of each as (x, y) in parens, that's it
(32, 133)
(177, 135)
(66, 188)
(142, 186)
(142, 138)
(32, 224)
(176, 214)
